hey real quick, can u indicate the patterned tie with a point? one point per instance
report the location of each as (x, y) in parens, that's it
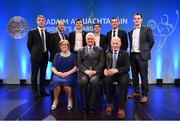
(90, 51)
(114, 60)
(62, 34)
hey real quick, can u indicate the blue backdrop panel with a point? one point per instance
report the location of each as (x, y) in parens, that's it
(161, 15)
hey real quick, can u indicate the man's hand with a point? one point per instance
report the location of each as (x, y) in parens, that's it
(90, 73)
(110, 72)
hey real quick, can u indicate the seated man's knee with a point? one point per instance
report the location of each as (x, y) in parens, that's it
(124, 82)
(94, 81)
(83, 81)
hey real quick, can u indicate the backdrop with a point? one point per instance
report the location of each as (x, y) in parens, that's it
(17, 17)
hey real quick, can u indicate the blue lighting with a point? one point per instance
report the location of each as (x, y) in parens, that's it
(2, 64)
(176, 64)
(158, 66)
(23, 67)
(48, 70)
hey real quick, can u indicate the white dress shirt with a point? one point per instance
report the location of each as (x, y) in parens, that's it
(97, 40)
(135, 40)
(39, 29)
(78, 41)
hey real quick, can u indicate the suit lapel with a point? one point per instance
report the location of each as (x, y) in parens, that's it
(38, 35)
(141, 33)
(86, 51)
(119, 59)
(58, 37)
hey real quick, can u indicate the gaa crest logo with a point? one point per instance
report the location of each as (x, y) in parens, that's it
(17, 27)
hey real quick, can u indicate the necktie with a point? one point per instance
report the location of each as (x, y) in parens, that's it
(90, 52)
(114, 60)
(62, 34)
(43, 41)
(114, 33)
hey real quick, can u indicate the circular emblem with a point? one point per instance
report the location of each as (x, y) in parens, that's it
(17, 27)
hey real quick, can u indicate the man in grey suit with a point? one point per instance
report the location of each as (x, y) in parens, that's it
(90, 62)
(141, 42)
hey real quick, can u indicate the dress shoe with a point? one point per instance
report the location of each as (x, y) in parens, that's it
(121, 114)
(70, 105)
(84, 109)
(109, 110)
(36, 95)
(91, 110)
(54, 105)
(136, 94)
(44, 93)
(144, 99)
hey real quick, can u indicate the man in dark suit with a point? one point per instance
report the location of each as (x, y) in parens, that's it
(141, 41)
(55, 38)
(115, 32)
(90, 62)
(117, 68)
(100, 39)
(77, 38)
(38, 45)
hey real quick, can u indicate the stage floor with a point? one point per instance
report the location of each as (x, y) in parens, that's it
(17, 103)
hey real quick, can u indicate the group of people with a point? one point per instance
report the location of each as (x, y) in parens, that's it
(90, 58)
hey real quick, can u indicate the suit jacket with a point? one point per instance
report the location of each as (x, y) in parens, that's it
(96, 62)
(122, 63)
(103, 42)
(54, 48)
(72, 37)
(35, 44)
(121, 34)
(146, 41)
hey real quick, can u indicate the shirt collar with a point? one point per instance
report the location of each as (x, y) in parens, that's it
(115, 29)
(115, 51)
(40, 28)
(137, 27)
(90, 47)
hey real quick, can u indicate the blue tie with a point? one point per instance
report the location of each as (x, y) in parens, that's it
(90, 52)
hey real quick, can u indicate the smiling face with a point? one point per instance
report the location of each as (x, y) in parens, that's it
(97, 28)
(114, 23)
(115, 43)
(60, 26)
(79, 24)
(64, 45)
(40, 21)
(137, 20)
(90, 39)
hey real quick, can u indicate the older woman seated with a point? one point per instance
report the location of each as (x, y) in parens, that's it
(63, 68)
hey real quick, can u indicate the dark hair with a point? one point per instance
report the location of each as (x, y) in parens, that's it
(97, 24)
(59, 22)
(78, 19)
(138, 14)
(114, 18)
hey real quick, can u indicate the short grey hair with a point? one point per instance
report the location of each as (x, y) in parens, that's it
(90, 34)
(117, 38)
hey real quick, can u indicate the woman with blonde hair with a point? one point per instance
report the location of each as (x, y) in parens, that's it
(63, 68)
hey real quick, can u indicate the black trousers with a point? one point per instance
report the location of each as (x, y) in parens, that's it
(139, 66)
(36, 66)
(122, 85)
(83, 83)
